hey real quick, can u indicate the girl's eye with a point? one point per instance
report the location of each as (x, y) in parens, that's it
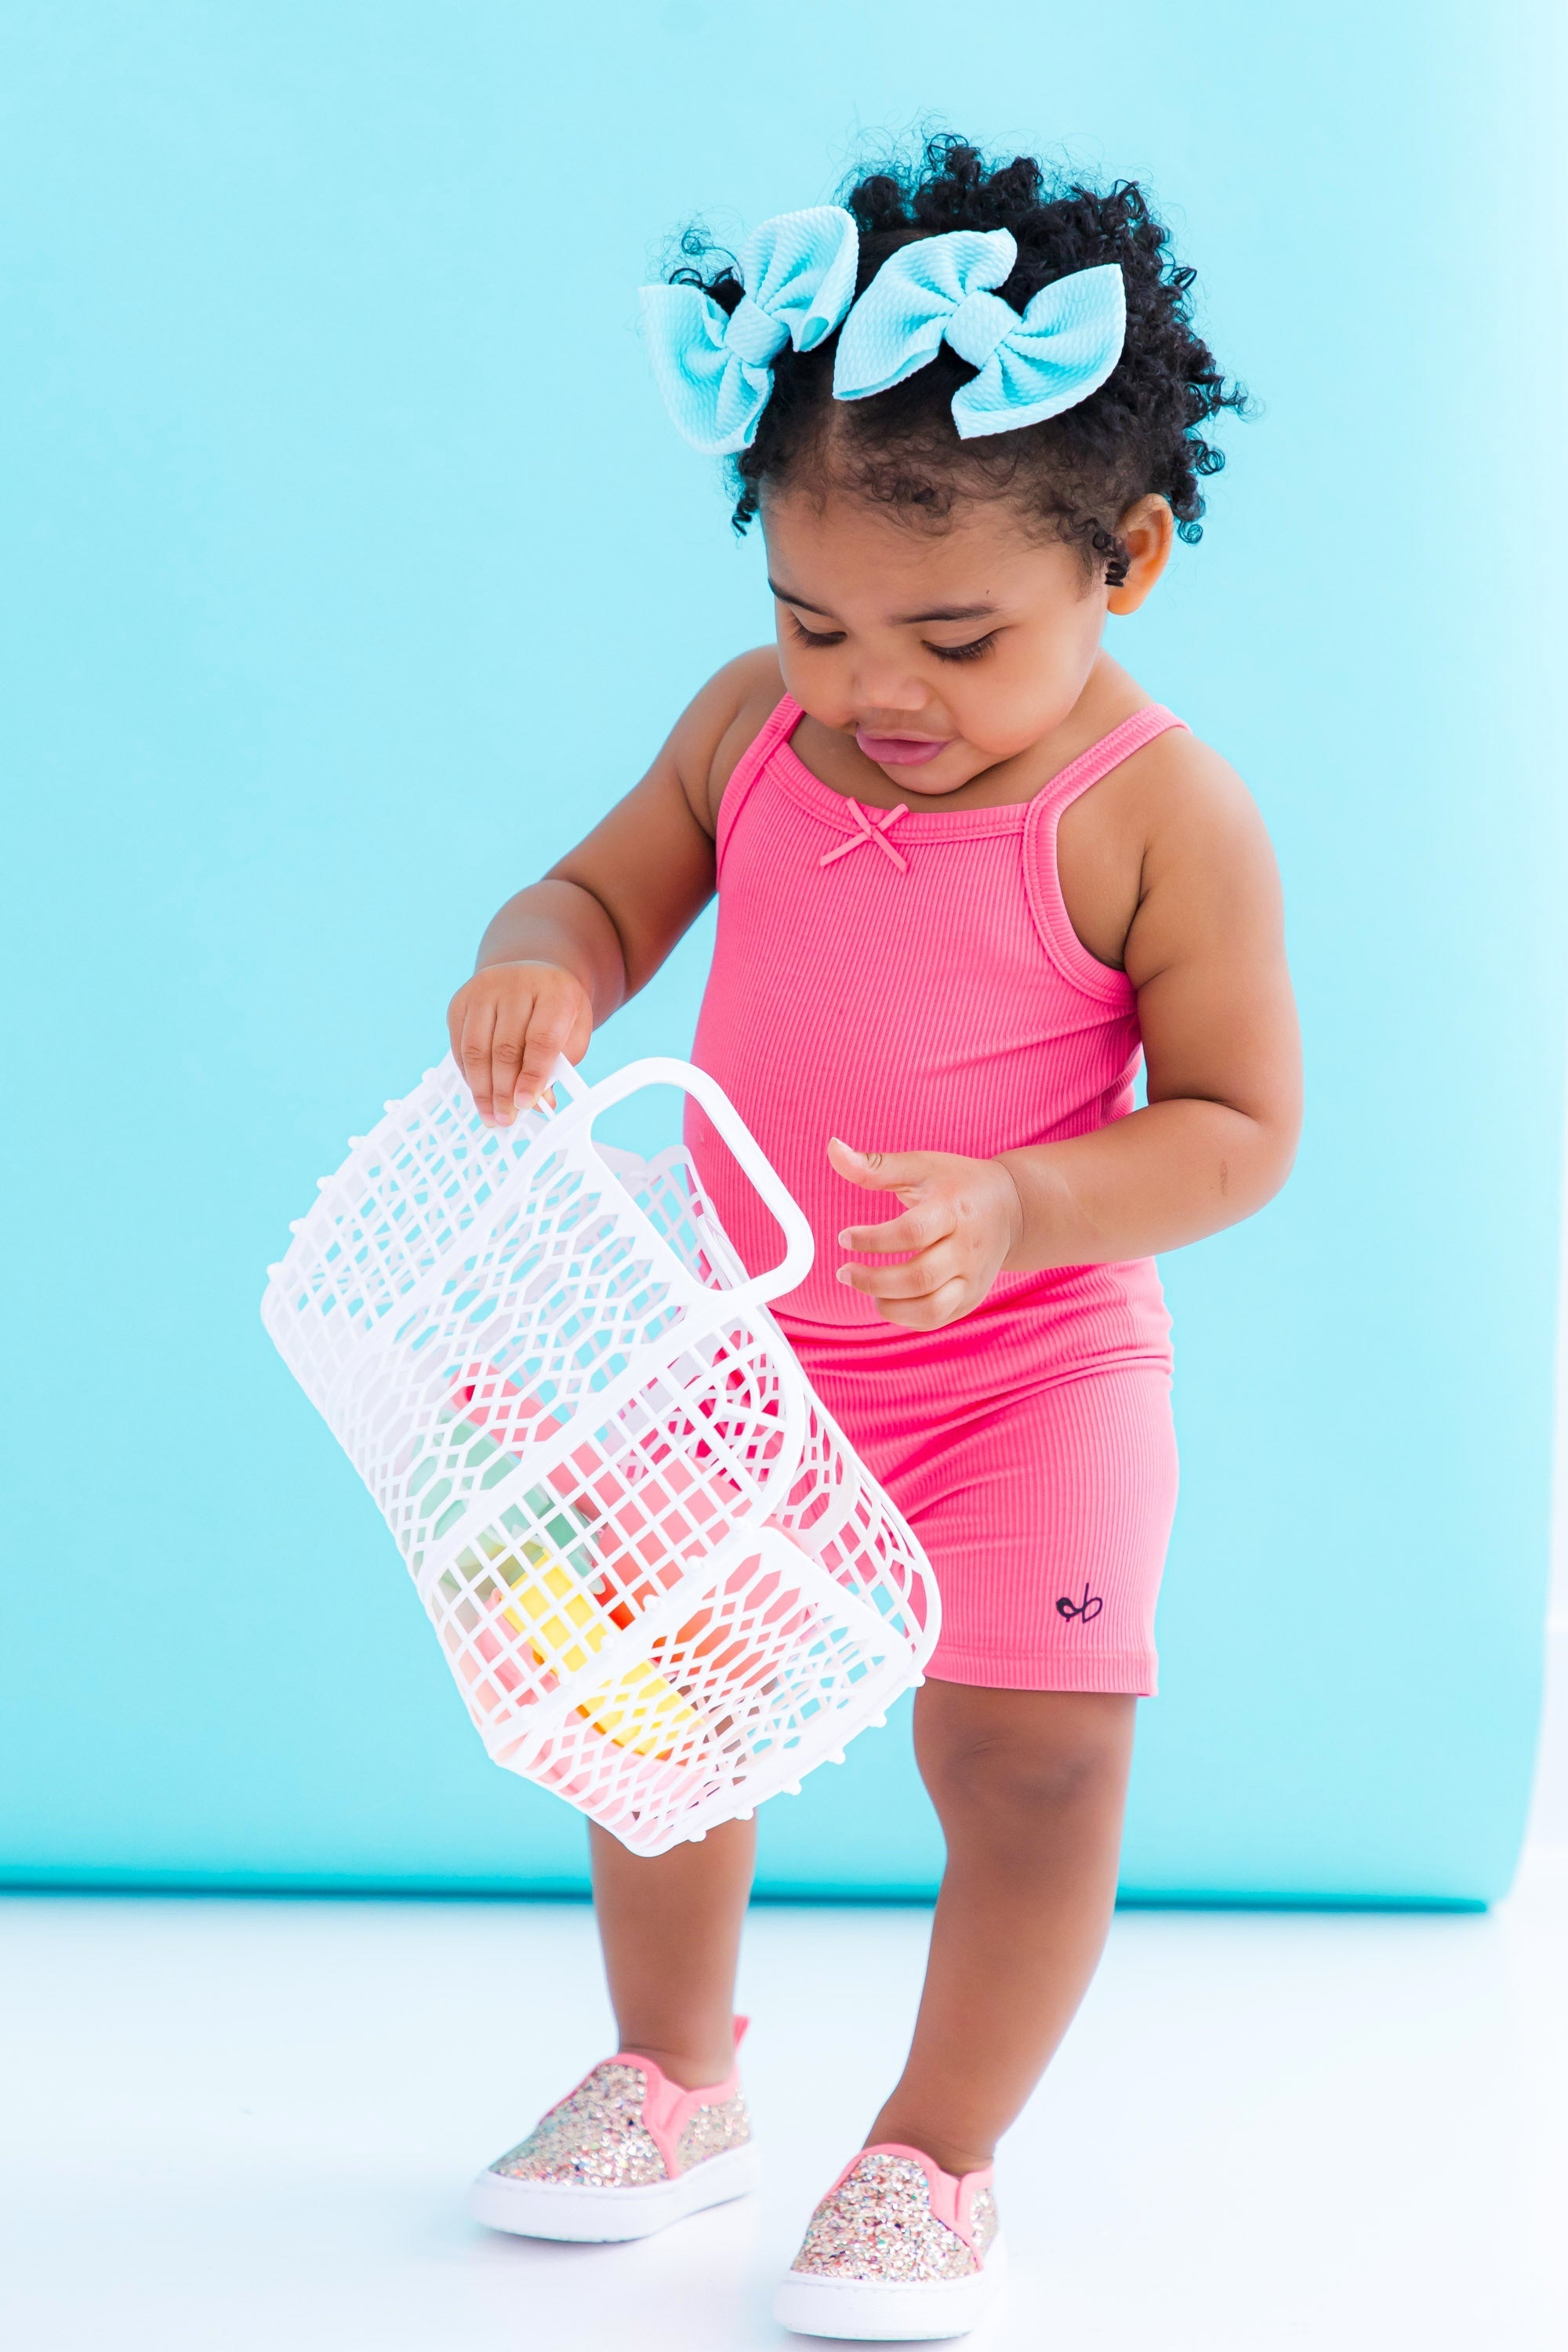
(971, 652)
(805, 636)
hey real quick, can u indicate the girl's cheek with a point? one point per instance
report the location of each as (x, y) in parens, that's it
(1009, 701)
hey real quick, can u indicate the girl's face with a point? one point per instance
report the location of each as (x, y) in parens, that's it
(941, 653)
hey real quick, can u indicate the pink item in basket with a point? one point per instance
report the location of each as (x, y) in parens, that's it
(638, 1515)
(538, 1603)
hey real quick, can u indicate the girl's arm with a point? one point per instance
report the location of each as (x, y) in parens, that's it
(561, 955)
(1206, 953)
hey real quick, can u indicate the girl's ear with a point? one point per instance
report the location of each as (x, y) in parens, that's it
(1146, 530)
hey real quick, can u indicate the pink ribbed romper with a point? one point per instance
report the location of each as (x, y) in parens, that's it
(909, 979)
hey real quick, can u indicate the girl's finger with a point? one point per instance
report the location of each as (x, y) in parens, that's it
(878, 1171)
(549, 1030)
(928, 1314)
(457, 1012)
(917, 1229)
(506, 1061)
(474, 1054)
(918, 1277)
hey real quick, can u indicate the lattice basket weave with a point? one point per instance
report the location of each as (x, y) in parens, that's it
(663, 1583)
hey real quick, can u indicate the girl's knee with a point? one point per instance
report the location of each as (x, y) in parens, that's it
(1026, 1780)
(1030, 1758)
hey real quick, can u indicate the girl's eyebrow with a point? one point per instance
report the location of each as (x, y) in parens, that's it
(788, 596)
(945, 613)
(900, 620)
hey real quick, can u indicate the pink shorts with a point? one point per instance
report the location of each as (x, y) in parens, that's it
(1045, 1514)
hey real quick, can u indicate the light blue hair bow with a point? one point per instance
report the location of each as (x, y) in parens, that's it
(1032, 366)
(716, 372)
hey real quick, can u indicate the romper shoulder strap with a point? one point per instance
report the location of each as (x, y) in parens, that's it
(1100, 758)
(1041, 879)
(776, 729)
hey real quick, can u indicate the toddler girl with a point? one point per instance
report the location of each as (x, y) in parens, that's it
(968, 873)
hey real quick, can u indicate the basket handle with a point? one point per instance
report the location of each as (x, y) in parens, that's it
(585, 1102)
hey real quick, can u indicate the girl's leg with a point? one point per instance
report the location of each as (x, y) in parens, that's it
(1029, 1787)
(671, 1934)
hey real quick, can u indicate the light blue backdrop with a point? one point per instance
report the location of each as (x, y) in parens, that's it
(350, 569)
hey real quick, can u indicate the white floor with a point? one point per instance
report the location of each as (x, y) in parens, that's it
(241, 2124)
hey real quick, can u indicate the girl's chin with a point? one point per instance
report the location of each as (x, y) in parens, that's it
(955, 765)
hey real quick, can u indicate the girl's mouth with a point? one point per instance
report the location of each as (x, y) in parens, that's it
(898, 751)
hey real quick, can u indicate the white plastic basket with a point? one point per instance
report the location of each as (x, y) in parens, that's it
(663, 1584)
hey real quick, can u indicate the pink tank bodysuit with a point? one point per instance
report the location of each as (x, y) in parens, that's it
(909, 980)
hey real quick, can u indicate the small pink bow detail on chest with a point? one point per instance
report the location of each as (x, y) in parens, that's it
(876, 833)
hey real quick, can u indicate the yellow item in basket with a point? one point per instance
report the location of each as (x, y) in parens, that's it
(639, 1710)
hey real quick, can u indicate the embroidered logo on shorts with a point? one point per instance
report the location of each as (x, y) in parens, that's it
(1086, 1611)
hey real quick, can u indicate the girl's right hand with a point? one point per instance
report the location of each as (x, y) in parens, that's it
(509, 1025)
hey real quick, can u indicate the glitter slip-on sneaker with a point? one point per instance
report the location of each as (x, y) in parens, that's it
(624, 2154)
(897, 2250)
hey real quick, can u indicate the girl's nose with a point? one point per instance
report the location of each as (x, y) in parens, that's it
(883, 696)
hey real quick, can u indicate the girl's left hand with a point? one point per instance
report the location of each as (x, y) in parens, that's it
(960, 1218)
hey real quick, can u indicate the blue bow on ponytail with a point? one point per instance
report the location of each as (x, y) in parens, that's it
(938, 289)
(715, 369)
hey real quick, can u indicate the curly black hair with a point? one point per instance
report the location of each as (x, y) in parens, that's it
(1074, 476)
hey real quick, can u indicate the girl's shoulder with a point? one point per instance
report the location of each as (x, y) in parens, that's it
(1170, 826)
(720, 723)
(1201, 829)
(1173, 782)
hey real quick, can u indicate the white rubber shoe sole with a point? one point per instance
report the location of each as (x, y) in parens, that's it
(598, 2217)
(866, 2312)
